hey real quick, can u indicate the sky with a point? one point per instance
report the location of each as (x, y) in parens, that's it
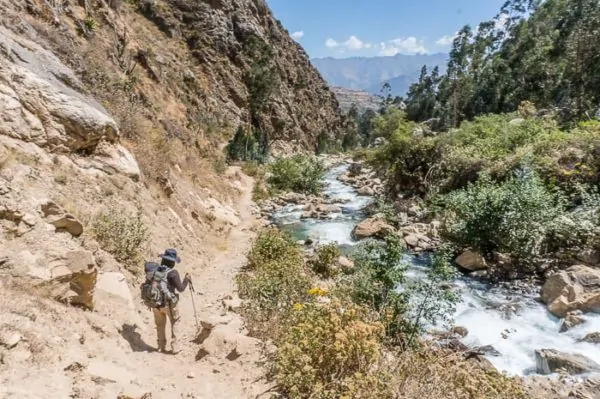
(346, 28)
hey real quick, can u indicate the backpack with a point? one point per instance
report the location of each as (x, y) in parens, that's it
(155, 291)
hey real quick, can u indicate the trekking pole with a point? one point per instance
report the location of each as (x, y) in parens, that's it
(193, 291)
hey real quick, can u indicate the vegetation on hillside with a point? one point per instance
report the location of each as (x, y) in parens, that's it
(546, 52)
(509, 183)
(357, 338)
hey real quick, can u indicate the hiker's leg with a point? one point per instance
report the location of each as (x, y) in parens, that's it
(175, 320)
(160, 319)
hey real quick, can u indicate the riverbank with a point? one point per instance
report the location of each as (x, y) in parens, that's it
(505, 322)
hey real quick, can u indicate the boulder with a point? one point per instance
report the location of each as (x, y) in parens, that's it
(366, 190)
(372, 227)
(9, 338)
(68, 223)
(112, 295)
(471, 261)
(589, 257)
(345, 263)
(577, 288)
(481, 361)
(412, 240)
(571, 321)
(76, 279)
(549, 361)
(591, 338)
(458, 330)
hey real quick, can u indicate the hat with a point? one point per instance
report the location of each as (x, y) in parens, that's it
(171, 254)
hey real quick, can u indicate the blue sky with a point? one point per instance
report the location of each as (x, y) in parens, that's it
(345, 28)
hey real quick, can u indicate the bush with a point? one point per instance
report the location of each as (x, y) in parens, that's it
(275, 281)
(330, 351)
(123, 235)
(516, 216)
(494, 144)
(325, 259)
(298, 173)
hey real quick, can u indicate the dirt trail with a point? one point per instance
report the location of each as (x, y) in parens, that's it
(214, 375)
(223, 364)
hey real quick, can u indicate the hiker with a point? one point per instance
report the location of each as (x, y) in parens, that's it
(168, 305)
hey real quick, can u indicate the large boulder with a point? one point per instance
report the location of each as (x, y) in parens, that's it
(372, 227)
(577, 288)
(549, 361)
(471, 261)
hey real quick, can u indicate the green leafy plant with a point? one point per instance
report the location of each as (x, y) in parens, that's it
(516, 216)
(324, 263)
(298, 173)
(122, 234)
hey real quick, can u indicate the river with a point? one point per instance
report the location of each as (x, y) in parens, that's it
(514, 323)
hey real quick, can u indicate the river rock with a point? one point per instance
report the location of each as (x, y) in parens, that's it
(577, 288)
(366, 190)
(372, 227)
(592, 338)
(549, 361)
(412, 240)
(589, 257)
(571, 321)
(471, 261)
(345, 263)
(459, 330)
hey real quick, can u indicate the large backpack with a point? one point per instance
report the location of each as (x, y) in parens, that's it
(155, 291)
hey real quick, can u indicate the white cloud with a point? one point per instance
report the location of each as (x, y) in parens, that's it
(408, 45)
(446, 40)
(331, 43)
(352, 44)
(297, 35)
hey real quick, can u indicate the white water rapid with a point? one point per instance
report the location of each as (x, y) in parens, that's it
(511, 321)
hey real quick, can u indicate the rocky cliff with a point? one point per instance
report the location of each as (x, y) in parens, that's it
(112, 120)
(187, 65)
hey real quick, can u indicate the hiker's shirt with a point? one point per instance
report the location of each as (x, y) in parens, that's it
(174, 283)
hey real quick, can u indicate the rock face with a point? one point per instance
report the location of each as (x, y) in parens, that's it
(372, 227)
(577, 288)
(41, 103)
(228, 38)
(549, 361)
(471, 261)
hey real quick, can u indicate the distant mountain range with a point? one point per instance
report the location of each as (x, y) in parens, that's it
(370, 73)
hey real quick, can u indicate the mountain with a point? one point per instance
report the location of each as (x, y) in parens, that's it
(114, 116)
(370, 73)
(362, 99)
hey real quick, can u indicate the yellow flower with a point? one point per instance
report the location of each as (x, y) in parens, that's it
(298, 306)
(317, 291)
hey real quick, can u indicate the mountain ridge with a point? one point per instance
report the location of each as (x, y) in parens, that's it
(370, 73)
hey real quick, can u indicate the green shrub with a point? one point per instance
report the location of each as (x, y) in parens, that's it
(516, 216)
(298, 173)
(325, 260)
(122, 234)
(494, 144)
(274, 282)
